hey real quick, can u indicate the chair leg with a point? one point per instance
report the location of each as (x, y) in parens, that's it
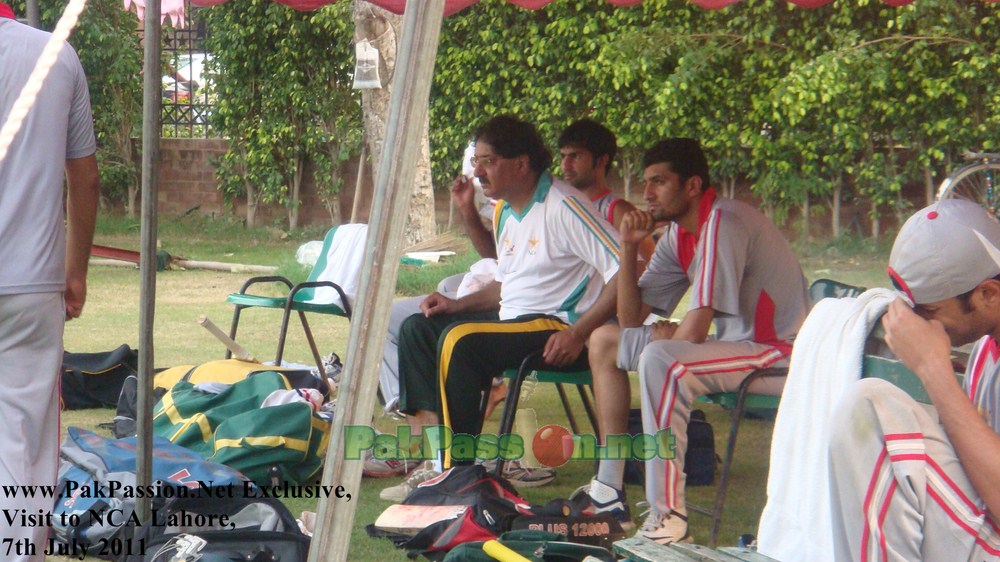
(312, 345)
(727, 462)
(510, 405)
(566, 407)
(734, 427)
(281, 335)
(588, 405)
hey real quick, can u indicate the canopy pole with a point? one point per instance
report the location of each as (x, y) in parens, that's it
(393, 187)
(147, 257)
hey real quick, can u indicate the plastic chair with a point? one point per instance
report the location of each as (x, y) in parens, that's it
(742, 400)
(319, 294)
(534, 363)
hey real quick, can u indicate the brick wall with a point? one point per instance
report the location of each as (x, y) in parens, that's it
(188, 184)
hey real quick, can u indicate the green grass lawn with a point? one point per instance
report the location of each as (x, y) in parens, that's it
(111, 318)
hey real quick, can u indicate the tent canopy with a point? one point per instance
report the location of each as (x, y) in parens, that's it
(452, 6)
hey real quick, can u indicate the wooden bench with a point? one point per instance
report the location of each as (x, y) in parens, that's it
(640, 549)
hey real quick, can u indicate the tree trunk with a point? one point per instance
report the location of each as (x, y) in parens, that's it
(876, 225)
(835, 214)
(805, 218)
(380, 28)
(295, 191)
(929, 188)
(252, 196)
(133, 197)
(627, 173)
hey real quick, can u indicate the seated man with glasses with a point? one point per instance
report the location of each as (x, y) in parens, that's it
(555, 283)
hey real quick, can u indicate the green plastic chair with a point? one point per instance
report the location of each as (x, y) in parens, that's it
(300, 298)
(534, 363)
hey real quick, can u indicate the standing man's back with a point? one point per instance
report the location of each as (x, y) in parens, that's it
(44, 252)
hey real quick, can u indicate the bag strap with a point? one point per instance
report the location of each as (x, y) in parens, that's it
(187, 375)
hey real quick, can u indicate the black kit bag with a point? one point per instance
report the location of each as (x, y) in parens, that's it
(635, 469)
(264, 530)
(94, 380)
(700, 461)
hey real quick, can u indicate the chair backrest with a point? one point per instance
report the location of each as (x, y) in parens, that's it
(828, 288)
(339, 262)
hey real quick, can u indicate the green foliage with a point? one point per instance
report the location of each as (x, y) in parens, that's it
(284, 97)
(107, 44)
(854, 94)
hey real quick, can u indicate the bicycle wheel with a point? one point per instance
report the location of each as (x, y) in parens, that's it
(979, 182)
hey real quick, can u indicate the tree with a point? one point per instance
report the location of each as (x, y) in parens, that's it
(284, 100)
(381, 28)
(107, 44)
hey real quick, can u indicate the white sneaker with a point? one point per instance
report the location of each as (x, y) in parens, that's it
(399, 492)
(665, 528)
(384, 468)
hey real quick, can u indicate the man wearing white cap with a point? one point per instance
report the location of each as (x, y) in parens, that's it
(917, 482)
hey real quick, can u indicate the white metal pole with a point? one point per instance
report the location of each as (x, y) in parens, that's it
(394, 185)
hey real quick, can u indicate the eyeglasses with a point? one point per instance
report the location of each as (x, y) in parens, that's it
(486, 161)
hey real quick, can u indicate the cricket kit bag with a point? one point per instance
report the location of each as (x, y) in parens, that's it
(94, 380)
(238, 526)
(537, 546)
(226, 371)
(700, 460)
(492, 509)
(281, 443)
(97, 490)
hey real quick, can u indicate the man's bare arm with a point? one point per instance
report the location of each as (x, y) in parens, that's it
(83, 194)
(635, 227)
(925, 349)
(563, 347)
(487, 298)
(463, 195)
(694, 327)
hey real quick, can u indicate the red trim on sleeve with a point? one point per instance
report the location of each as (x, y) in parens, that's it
(977, 364)
(6, 11)
(611, 210)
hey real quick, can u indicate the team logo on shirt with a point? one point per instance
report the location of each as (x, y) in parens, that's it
(532, 246)
(508, 247)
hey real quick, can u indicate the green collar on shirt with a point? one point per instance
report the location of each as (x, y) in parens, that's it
(541, 191)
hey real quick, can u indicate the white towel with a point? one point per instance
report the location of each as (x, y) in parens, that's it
(343, 260)
(481, 274)
(827, 357)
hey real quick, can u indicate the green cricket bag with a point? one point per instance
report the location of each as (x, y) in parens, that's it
(283, 443)
(537, 546)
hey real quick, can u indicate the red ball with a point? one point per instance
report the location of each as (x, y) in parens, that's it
(552, 445)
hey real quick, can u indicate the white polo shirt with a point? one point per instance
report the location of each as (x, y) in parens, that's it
(555, 256)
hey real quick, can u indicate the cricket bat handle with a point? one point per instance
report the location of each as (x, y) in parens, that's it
(494, 549)
(238, 350)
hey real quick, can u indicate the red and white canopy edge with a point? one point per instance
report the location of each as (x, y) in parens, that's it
(452, 6)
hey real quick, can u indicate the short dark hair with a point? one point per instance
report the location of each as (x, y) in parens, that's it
(591, 136)
(510, 137)
(684, 155)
